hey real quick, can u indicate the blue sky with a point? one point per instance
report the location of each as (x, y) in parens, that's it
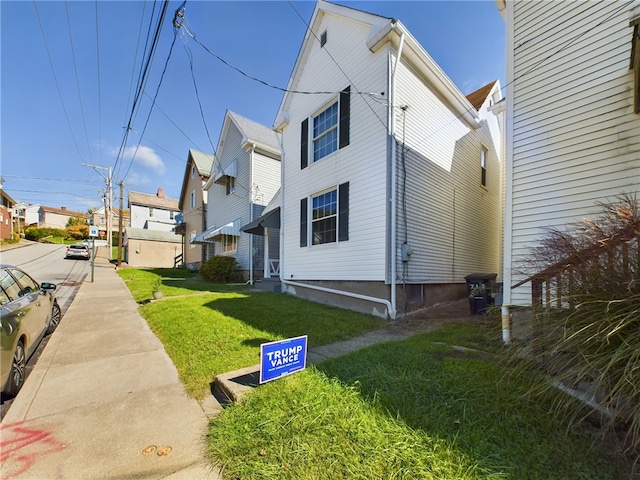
(69, 72)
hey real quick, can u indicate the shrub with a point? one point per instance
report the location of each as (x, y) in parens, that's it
(220, 269)
(591, 337)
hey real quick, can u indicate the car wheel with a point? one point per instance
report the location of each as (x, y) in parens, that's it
(56, 315)
(18, 368)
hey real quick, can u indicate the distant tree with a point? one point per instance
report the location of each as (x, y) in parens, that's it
(73, 221)
(78, 232)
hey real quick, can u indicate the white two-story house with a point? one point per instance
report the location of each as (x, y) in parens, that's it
(392, 178)
(244, 178)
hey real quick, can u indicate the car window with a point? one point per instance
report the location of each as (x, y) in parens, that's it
(3, 297)
(26, 283)
(9, 286)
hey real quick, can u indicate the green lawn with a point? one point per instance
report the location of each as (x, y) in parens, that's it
(208, 329)
(417, 409)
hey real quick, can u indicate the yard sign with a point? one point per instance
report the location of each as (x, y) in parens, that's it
(282, 357)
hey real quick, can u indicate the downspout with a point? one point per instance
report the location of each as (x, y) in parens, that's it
(392, 134)
(508, 181)
(253, 147)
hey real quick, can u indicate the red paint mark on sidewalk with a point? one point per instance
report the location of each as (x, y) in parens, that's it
(21, 447)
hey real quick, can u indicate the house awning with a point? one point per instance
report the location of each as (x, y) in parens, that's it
(208, 235)
(271, 219)
(230, 170)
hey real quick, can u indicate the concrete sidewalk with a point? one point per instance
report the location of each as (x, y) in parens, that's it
(104, 399)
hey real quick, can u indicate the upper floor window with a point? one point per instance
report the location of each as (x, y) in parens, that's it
(151, 211)
(483, 166)
(230, 184)
(193, 171)
(193, 199)
(172, 214)
(325, 132)
(329, 130)
(323, 38)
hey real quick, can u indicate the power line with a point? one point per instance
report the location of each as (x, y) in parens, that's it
(166, 64)
(55, 78)
(75, 70)
(142, 79)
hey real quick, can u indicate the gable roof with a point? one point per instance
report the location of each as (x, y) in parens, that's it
(383, 30)
(64, 211)
(203, 163)
(253, 134)
(149, 200)
(478, 97)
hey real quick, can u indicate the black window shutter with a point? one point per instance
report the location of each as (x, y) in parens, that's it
(345, 116)
(343, 212)
(303, 222)
(304, 144)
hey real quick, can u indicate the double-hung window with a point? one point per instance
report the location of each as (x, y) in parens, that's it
(229, 243)
(483, 166)
(326, 131)
(324, 216)
(329, 214)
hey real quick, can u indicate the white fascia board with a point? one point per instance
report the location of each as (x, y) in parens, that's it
(415, 54)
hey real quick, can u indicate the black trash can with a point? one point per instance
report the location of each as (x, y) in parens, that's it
(479, 288)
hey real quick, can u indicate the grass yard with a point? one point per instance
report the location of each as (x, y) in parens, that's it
(208, 329)
(416, 409)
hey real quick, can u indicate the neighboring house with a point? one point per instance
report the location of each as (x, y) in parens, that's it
(50, 217)
(391, 177)
(24, 215)
(6, 213)
(573, 117)
(151, 248)
(150, 239)
(153, 212)
(193, 205)
(245, 177)
(99, 219)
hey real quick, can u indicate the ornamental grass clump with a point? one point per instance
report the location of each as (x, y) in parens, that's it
(590, 334)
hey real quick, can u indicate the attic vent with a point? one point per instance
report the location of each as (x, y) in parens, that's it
(323, 38)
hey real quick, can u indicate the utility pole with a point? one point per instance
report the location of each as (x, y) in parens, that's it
(120, 224)
(108, 207)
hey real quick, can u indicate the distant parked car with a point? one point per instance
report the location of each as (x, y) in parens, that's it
(28, 311)
(79, 250)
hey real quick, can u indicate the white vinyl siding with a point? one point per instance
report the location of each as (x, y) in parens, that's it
(265, 178)
(452, 223)
(576, 140)
(257, 180)
(362, 163)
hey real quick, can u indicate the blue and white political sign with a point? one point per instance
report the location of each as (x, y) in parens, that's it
(282, 357)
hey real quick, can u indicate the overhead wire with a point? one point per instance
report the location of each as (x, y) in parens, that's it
(55, 78)
(146, 123)
(99, 81)
(142, 79)
(75, 71)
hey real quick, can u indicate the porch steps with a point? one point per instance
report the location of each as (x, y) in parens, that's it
(269, 285)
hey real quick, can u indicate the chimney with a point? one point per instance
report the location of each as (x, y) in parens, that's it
(160, 193)
(63, 208)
